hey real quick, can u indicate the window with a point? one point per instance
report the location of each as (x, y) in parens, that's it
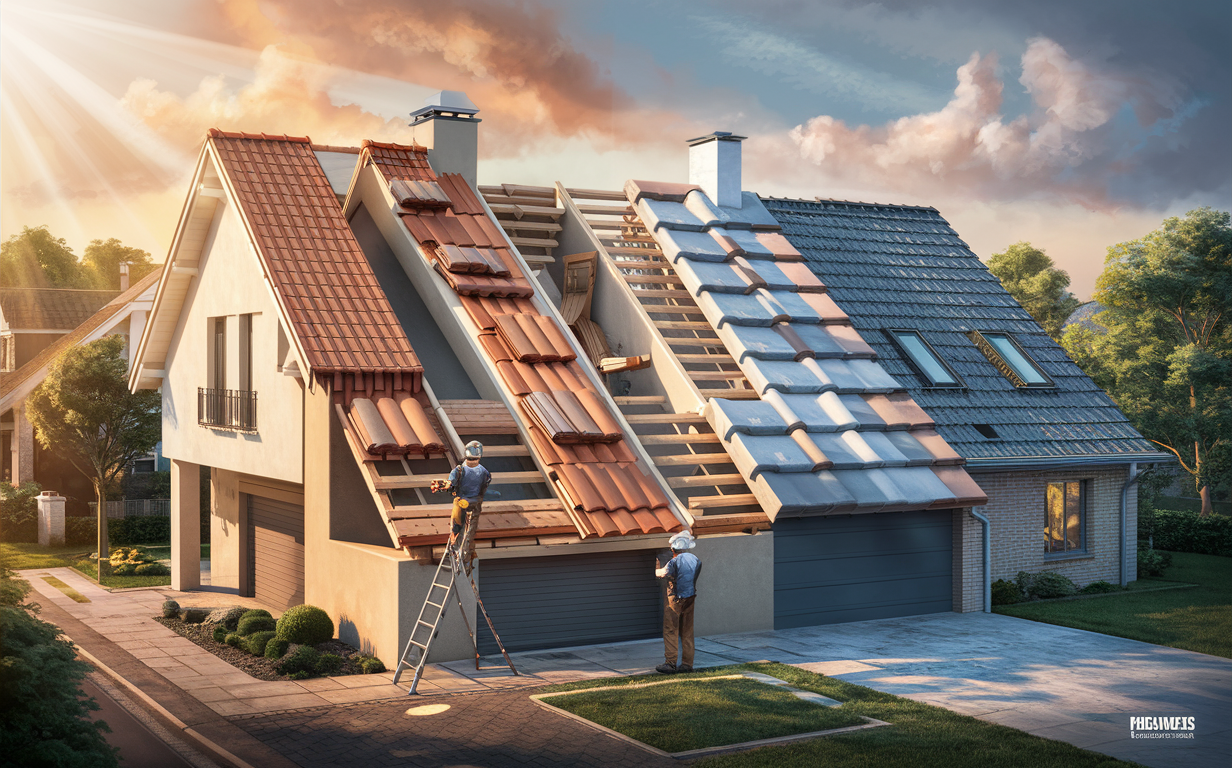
(246, 353)
(927, 363)
(1065, 518)
(143, 466)
(1003, 351)
(218, 353)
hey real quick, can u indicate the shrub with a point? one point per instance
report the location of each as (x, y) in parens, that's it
(227, 617)
(1100, 588)
(302, 659)
(220, 633)
(302, 674)
(121, 531)
(233, 640)
(19, 511)
(194, 615)
(171, 609)
(1153, 562)
(81, 530)
(257, 612)
(250, 624)
(305, 624)
(1181, 531)
(1005, 593)
(1042, 586)
(258, 641)
(152, 569)
(276, 648)
(371, 665)
(329, 664)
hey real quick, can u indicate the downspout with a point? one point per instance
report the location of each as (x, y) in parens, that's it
(1134, 474)
(987, 525)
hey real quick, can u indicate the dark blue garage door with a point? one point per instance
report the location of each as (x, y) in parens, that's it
(829, 570)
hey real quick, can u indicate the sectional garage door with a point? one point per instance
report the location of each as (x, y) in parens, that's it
(552, 602)
(829, 570)
(276, 551)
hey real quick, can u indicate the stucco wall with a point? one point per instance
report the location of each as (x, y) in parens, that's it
(1016, 509)
(228, 555)
(735, 592)
(230, 283)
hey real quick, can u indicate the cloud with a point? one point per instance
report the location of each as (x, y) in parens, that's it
(1074, 145)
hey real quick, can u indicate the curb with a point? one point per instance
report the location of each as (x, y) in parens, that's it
(162, 711)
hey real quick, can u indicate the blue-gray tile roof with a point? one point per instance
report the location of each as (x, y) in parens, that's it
(892, 266)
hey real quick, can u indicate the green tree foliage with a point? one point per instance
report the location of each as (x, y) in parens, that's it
(1166, 356)
(102, 261)
(44, 715)
(38, 259)
(84, 410)
(1030, 277)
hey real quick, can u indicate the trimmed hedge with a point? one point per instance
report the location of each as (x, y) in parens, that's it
(121, 531)
(258, 641)
(1180, 531)
(276, 648)
(250, 624)
(306, 624)
(302, 662)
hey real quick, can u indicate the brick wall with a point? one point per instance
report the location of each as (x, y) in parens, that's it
(1016, 509)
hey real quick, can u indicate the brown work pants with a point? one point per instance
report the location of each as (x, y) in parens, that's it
(678, 623)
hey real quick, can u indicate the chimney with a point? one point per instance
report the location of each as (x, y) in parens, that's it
(447, 126)
(123, 276)
(714, 165)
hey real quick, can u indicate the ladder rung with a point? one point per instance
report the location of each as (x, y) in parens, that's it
(434, 605)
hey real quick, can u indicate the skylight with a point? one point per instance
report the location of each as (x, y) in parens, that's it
(927, 363)
(1012, 360)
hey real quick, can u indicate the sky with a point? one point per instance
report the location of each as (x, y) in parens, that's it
(1073, 126)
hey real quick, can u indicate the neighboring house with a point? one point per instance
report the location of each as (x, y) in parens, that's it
(1085, 316)
(58, 319)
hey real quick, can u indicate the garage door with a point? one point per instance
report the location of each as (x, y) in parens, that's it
(831, 570)
(552, 602)
(276, 551)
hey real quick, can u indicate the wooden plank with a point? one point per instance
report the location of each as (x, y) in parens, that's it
(640, 264)
(672, 309)
(519, 200)
(701, 481)
(423, 481)
(590, 209)
(681, 325)
(652, 280)
(687, 439)
(617, 250)
(730, 393)
(690, 459)
(597, 224)
(721, 359)
(505, 450)
(518, 211)
(533, 242)
(715, 375)
(493, 507)
(518, 189)
(653, 293)
(665, 418)
(639, 399)
(511, 225)
(717, 502)
(595, 194)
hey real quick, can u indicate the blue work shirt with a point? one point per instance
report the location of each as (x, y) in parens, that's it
(470, 482)
(682, 571)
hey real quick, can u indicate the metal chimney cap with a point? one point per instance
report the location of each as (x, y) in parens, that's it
(453, 103)
(716, 136)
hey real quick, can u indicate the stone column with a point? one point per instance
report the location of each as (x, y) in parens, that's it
(185, 525)
(23, 446)
(50, 519)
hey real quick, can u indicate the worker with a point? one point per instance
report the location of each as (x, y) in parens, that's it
(469, 482)
(681, 573)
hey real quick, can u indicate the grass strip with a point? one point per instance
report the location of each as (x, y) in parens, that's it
(1195, 619)
(22, 555)
(90, 568)
(695, 713)
(73, 594)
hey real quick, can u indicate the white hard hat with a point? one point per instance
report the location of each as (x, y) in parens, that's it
(682, 541)
(474, 450)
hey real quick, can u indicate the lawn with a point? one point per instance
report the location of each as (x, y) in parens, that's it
(919, 734)
(29, 555)
(681, 714)
(1195, 619)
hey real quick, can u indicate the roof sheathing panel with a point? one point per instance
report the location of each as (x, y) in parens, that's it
(339, 313)
(802, 447)
(903, 267)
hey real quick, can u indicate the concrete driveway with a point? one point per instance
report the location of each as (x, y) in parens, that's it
(1055, 682)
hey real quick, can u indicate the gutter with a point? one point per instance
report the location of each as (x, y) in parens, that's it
(1044, 462)
(987, 525)
(1134, 474)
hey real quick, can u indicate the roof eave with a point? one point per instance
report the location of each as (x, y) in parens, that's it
(1049, 462)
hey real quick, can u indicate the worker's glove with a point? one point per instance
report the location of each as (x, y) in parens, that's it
(439, 485)
(660, 572)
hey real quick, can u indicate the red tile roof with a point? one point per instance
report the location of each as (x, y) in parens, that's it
(606, 491)
(340, 314)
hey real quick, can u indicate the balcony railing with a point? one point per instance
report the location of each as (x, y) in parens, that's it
(227, 409)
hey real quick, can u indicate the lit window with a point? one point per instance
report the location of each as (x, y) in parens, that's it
(1012, 360)
(927, 363)
(1064, 514)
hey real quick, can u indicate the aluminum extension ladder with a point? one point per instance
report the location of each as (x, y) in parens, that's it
(433, 611)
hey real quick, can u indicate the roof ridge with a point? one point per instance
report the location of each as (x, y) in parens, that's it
(851, 202)
(217, 133)
(336, 148)
(391, 145)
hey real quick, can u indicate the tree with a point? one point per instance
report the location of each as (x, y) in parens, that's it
(102, 261)
(84, 410)
(38, 259)
(44, 715)
(1030, 277)
(1166, 357)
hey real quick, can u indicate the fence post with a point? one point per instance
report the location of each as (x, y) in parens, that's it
(50, 519)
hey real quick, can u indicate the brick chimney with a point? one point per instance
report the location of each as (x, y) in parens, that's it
(714, 165)
(447, 126)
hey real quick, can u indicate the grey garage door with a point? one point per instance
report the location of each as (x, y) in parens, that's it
(551, 602)
(276, 551)
(830, 570)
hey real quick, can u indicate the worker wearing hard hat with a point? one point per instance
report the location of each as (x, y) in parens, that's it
(469, 482)
(681, 573)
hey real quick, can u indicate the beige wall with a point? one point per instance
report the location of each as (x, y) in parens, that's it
(230, 283)
(1016, 509)
(228, 555)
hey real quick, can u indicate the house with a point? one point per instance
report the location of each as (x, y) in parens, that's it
(635, 361)
(38, 325)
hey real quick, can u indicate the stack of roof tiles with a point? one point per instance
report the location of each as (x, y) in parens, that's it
(571, 429)
(832, 432)
(903, 267)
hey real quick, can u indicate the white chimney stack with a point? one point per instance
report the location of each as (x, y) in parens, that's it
(714, 165)
(447, 126)
(123, 276)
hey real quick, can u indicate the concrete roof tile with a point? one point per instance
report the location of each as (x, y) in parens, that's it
(749, 417)
(796, 493)
(700, 206)
(788, 377)
(658, 214)
(699, 246)
(754, 454)
(745, 341)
